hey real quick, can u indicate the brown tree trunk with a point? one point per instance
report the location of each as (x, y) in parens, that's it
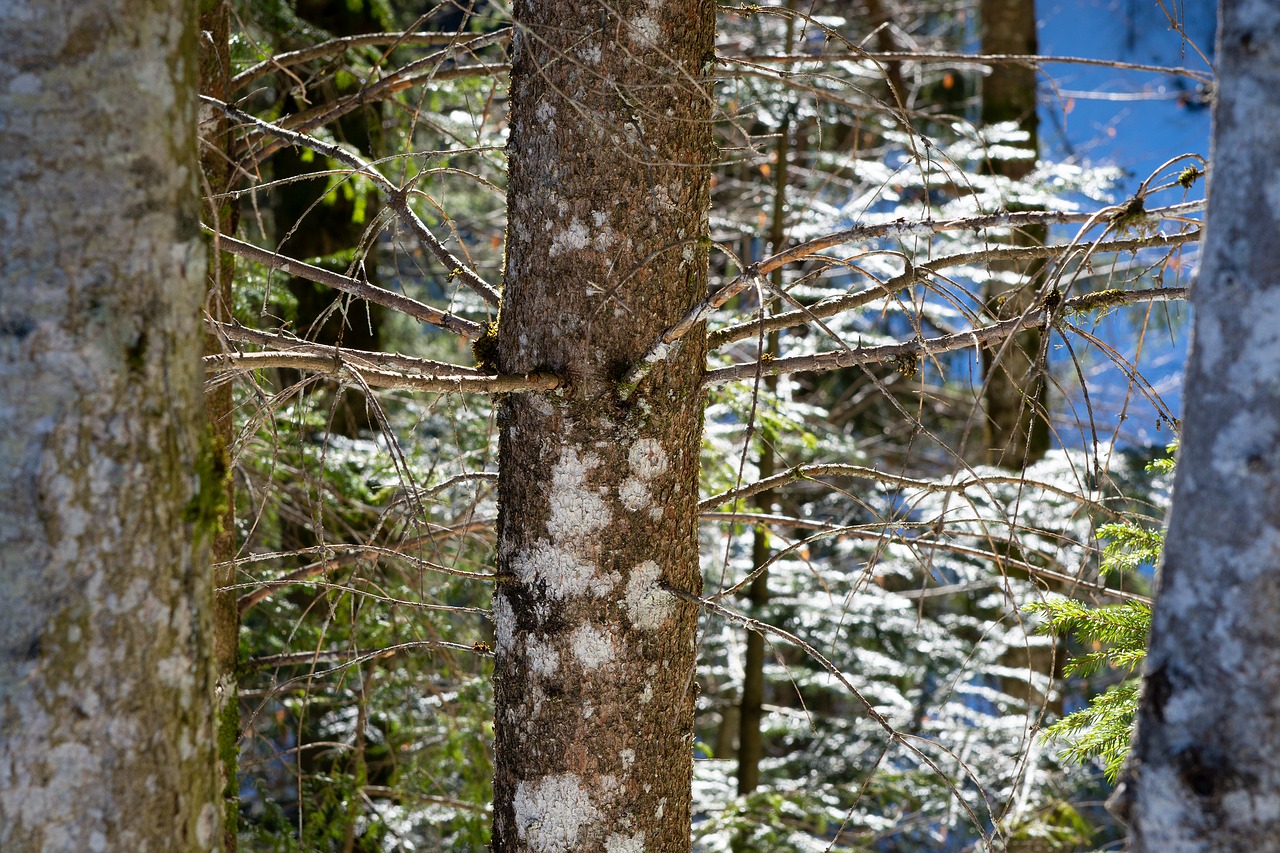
(216, 166)
(608, 197)
(751, 716)
(106, 679)
(1204, 773)
(1015, 395)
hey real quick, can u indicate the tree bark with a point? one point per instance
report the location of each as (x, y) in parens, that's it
(608, 198)
(106, 688)
(1204, 773)
(222, 214)
(1015, 395)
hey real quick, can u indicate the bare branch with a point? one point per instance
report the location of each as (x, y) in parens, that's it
(356, 656)
(985, 336)
(1002, 562)
(754, 275)
(397, 197)
(340, 556)
(336, 46)
(813, 471)
(838, 305)
(406, 305)
(285, 343)
(975, 60)
(340, 362)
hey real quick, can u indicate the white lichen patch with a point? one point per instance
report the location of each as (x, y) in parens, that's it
(577, 510)
(573, 236)
(634, 494)
(591, 646)
(545, 112)
(625, 843)
(542, 656)
(647, 459)
(662, 807)
(590, 54)
(551, 812)
(563, 573)
(627, 757)
(645, 31)
(646, 695)
(647, 605)
(504, 623)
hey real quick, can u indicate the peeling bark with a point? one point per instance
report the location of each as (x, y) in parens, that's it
(1204, 773)
(608, 196)
(106, 690)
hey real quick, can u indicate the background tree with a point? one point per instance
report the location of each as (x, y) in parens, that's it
(1203, 762)
(1016, 425)
(111, 494)
(893, 633)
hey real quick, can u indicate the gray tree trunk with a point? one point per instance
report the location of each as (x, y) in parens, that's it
(106, 730)
(608, 198)
(1204, 774)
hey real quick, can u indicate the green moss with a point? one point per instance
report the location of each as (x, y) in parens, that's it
(907, 365)
(208, 505)
(485, 348)
(1132, 215)
(229, 757)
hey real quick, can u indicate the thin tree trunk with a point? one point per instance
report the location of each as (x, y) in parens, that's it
(750, 741)
(608, 198)
(216, 165)
(1204, 773)
(1016, 432)
(106, 680)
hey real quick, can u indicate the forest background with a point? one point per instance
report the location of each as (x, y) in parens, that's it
(942, 333)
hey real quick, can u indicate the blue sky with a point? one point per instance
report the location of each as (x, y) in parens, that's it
(1135, 121)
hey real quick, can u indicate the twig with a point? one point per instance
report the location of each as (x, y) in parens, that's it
(397, 197)
(285, 343)
(812, 471)
(753, 276)
(945, 343)
(339, 362)
(969, 58)
(345, 555)
(406, 305)
(332, 47)
(840, 304)
(353, 656)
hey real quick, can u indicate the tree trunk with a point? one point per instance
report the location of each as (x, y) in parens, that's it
(608, 198)
(1015, 395)
(106, 688)
(1204, 773)
(217, 171)
(751, 716)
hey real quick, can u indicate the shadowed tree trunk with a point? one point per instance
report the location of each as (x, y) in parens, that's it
(608, 198)
(1015, 395)
(106, 680)
(1204, 773)
(216, 165)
